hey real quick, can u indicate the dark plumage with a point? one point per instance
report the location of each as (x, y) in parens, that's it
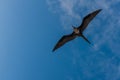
(77, 31)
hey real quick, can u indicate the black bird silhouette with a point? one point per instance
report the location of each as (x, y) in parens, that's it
(77, 31)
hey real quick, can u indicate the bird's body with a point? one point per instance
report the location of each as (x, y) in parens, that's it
(77, 31)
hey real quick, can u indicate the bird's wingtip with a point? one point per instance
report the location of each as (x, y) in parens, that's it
(53, 49)
(99, 9)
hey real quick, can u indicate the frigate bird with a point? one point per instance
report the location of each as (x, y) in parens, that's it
(77, 31)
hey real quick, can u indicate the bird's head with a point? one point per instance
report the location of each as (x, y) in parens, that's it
(73, 27)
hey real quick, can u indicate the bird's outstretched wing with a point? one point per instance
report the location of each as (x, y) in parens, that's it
(87, 19)
(63, 40)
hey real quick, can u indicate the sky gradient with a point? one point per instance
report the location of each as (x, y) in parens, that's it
(30, 29)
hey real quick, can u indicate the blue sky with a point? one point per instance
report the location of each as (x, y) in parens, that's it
(30, 29)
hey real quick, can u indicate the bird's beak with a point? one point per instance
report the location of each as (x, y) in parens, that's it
(73, 27)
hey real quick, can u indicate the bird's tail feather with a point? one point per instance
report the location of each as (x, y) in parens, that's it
(85, 39)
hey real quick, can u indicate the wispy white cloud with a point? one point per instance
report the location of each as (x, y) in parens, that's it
(66, 10)
(105, 29)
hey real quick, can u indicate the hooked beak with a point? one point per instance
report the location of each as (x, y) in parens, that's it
(73, 27)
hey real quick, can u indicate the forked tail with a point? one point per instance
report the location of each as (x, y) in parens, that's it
(85, 39)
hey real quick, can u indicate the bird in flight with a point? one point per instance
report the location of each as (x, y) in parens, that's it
(77, 31)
